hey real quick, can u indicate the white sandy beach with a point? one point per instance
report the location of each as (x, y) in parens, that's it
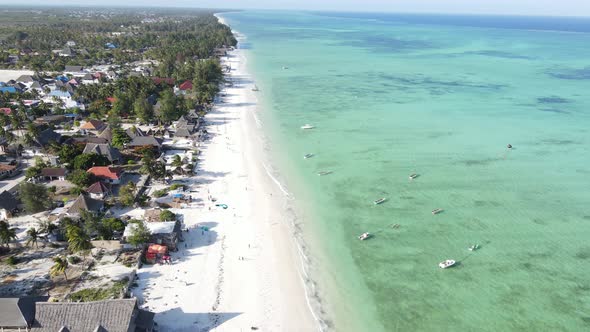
(209, 286)
(9, 74)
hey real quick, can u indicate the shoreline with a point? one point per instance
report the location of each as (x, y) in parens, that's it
(245, 271)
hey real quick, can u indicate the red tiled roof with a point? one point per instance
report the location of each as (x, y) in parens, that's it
(4, 167)
(6, 110)
(187, 85)
(53, 172)
(106, 172)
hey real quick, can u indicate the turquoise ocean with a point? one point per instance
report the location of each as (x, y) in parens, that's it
(442, 97)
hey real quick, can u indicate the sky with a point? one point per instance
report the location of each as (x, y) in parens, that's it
(514, 7)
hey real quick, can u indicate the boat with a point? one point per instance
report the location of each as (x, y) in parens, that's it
(307, 126)
(447, 263)
(285, 67)
(307, 156)
(437, 211)
(413, 176)
(379, 201)
(324, 173)
(364, 236)
(474, 247)
(255, 88)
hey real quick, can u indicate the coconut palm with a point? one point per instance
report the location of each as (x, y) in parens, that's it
(78, 239)
(33, 234)
(60, 266)
(7, 233)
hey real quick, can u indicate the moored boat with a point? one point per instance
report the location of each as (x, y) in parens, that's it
(413, 176)
(474, 247)
(437, 211)
(364, 236)
(255, 88)
(307, 156)
(324, 173)
(379, 201)
(307, 126)
(446, 264)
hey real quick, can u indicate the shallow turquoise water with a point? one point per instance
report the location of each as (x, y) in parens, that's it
(395, 95)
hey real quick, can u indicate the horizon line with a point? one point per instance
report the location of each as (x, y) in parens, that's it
(123, 6)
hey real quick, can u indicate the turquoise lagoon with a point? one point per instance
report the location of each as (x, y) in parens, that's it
(440, 96)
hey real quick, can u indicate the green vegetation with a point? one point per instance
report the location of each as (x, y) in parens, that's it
(60, 265)
(166, 215)
(106, 292)
(139, 235)
(81, 178)
(33, 237)
(161, 192)
(127, 194)
(35, 197)
(7, 233)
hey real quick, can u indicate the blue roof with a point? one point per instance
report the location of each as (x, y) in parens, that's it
(110, 45)
(59, 93)
(9, 89)
(62, 78)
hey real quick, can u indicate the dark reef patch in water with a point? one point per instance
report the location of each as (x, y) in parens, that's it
(554, 110)
(571, 74)
(552, 141)
(552, 100)
(583, 253)
(478, 162)
(498, 54)
(386, 44)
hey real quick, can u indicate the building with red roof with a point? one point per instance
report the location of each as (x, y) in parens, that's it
(186, 86)
(108, 174)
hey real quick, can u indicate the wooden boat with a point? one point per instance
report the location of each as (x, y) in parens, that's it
(255, 88)
(307, 156)
(437, 211)
(474, 247)
(365, 236)
(413, 176)
(379, 201)
(446, 264)
(324, 173)
(307, 126)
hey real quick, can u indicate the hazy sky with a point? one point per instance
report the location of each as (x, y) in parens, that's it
(520, 7)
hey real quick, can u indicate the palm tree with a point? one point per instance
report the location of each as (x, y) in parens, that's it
(47, 227)
(7, 234)
(78, 239)
(176, 161)
(60, 266)
(33, 237)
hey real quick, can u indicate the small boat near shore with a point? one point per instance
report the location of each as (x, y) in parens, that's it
(255, 88)
(446, 264)
(324, 173)
(437, 211)
(473, 247)
(307, 156)
(379, 201)
(307, 127)
(413, 176)
(365, 236)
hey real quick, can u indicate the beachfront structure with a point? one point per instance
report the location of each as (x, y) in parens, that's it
(166, 233)
(122, 315)
(7, 171)
(18, 313)
(93, 126)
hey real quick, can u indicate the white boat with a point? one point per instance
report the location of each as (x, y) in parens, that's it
(255, 88)
(447, 263)
(413, 176)
(307, 126)
(307, 156)
(474, 247)
(324, 173)
(437, 211)
(364, 236)
(285, 67)
(379, 201)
